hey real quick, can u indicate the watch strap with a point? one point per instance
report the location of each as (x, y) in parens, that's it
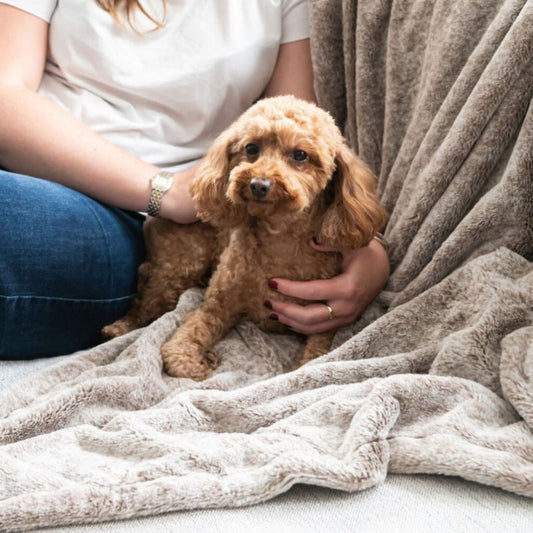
(160, 184)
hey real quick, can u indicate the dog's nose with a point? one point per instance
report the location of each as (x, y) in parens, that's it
(260, 187)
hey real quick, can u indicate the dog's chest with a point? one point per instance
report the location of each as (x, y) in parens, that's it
(250, 261)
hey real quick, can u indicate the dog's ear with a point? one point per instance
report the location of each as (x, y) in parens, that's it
(354, 215)
(208, 188)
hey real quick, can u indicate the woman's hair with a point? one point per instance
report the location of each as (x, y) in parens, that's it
(125, 8)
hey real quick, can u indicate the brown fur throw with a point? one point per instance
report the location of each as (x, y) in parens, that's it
(436, 377)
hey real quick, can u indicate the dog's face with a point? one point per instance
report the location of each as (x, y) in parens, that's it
(278, 163)
(279, 158)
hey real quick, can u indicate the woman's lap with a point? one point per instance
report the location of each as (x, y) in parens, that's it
(68, 266)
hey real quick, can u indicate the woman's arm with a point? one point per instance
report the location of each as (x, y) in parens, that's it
(364, 271)
(39, 138)
(293, 73)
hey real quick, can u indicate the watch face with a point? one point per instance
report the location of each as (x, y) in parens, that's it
(161, 182)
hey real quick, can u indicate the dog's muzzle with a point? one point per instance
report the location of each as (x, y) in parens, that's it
(260, 187)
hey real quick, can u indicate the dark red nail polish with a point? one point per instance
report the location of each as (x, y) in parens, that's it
(273, 316)
(267, 304)
(272, 284)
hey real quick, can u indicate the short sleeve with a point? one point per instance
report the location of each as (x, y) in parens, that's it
(295, 23)
(40, 8)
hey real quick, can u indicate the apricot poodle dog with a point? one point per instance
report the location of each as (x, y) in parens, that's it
(277, 177)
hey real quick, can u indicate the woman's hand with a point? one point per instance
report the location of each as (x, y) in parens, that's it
(364, 273)
(177, 204)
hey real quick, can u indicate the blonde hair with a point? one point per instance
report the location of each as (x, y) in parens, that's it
(125, 8)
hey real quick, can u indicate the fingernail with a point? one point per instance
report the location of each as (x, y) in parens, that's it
(267, 304)
(272, 284)
(273, 316)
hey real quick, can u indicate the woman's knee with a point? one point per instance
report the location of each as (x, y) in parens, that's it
(57, 242)
(68, 266)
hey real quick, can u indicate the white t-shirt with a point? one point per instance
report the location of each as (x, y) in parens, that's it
(164, 95)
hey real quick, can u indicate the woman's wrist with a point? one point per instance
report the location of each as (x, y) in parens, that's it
(176, 204)
(379, 248)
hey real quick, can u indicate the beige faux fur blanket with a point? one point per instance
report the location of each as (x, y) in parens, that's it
(437, 376)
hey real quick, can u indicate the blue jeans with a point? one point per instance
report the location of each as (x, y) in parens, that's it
(68, 266)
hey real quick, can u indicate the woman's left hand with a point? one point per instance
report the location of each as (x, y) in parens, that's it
(364, 273)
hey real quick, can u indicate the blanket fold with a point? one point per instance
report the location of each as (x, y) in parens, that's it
(437, 375)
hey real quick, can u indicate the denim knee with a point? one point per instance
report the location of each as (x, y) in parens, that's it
(60, 243)
(68, 265)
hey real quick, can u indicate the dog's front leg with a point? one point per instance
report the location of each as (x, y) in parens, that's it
(187, 354)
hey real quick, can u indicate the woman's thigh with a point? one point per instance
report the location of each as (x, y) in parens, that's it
(68, 266)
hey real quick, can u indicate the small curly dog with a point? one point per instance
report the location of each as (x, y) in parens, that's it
(277, 177)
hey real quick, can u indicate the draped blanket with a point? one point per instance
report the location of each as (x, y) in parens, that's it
(437, 375)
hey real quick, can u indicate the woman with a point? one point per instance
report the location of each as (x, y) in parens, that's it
(96, 98)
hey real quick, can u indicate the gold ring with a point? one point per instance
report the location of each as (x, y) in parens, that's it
(330, 311)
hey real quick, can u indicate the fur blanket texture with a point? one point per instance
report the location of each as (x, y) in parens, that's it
(437, 375)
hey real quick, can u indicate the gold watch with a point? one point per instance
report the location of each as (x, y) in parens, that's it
(160, 183)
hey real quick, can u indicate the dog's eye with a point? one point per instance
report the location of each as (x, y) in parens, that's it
(251, 149)
(300, 156)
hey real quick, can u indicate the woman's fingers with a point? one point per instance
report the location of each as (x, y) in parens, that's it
(314, 317)
(318, 322)
(322, 289)
(301, 314)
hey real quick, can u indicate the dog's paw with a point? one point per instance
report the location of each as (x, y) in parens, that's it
(118, 328)
(187, 363)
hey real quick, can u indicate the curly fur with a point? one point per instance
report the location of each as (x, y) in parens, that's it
(246, 239)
